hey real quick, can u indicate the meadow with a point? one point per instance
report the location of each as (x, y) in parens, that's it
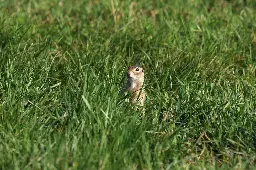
(62, 64)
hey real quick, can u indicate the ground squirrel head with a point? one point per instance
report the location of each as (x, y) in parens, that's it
(135, 73)
(135, 76)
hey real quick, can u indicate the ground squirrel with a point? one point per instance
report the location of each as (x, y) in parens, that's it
(134, 85)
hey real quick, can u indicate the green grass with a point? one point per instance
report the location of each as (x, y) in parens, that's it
(62, 65)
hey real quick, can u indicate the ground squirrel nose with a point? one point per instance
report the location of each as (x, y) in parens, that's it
(129, 74)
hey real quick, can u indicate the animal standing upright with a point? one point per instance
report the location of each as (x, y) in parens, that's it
(134, 85)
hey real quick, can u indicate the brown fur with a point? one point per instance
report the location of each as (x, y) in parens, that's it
(134, 85)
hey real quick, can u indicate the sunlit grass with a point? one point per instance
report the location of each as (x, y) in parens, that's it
(62, 66)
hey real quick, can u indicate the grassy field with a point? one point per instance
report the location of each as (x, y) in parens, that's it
(62, 65)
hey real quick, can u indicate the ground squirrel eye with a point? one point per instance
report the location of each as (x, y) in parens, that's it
(137, 69)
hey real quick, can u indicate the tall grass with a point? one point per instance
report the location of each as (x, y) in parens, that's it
(62, 65)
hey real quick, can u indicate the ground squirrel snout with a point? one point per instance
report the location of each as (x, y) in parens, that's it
(134, 85)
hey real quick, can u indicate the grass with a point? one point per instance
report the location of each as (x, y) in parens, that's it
(62, 65)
